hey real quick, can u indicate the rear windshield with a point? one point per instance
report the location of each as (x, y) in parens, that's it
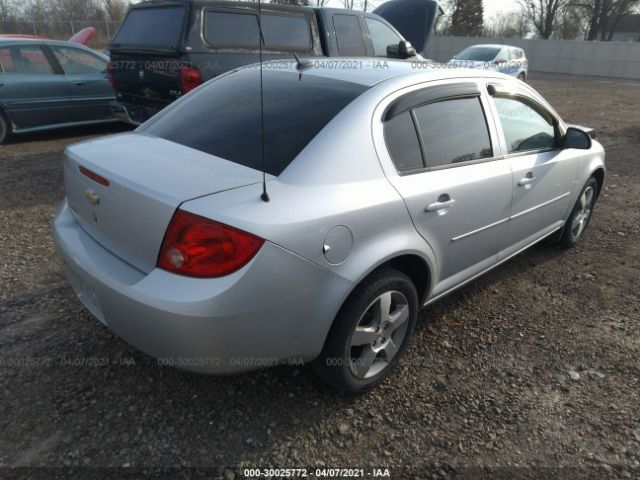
(223, 117)
(478, 54)
(157, 28)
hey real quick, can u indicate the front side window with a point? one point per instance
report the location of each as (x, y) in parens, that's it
(349, 35)
(503, 56)
(453, 131)
(382, 37)
(77, 61)
(6, 62)
(29, 60)
(524, 128)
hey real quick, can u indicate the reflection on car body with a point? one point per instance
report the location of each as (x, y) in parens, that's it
(387, 188)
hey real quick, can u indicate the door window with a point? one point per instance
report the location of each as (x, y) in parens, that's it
(6, 62)
(453, 131)
(349, 35)
(28, 59)
(402, 142)
(525, 129)
(503, 56)
(77, 61)
(286, 31)
(233, 29)
(382, 37)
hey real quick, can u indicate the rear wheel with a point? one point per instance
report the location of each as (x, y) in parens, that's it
(581, 214)
(370, 333)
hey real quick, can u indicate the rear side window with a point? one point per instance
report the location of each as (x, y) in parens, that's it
(28, 59)
(223, 118)
(287, 32)
(453, 131)
(402, 142)
(78, 61)
(349, 35)
(155, 28)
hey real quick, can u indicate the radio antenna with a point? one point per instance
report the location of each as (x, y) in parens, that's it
(265, 196)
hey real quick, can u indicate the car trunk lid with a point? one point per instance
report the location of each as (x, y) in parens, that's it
(148, 178)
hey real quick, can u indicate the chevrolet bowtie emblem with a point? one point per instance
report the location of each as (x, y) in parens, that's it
(92, 197)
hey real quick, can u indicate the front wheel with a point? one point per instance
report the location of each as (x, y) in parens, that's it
(580, 215)
(370, 333)
(522, 77)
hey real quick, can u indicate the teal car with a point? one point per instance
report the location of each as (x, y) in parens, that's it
(48, 84)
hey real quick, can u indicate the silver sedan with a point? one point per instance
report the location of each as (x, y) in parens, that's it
(384, 189)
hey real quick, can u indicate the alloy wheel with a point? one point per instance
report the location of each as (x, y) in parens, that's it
(379, 334)
(581, 217)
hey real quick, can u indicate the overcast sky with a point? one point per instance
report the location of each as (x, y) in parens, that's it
(494, 6)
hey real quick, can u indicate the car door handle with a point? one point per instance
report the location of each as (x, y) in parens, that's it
(440, 205)
(77, 84)
(526, 181)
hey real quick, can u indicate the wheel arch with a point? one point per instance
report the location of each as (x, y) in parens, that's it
(599, 174)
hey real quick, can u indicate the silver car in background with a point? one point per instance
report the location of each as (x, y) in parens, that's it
(388, 188)
(501, 58)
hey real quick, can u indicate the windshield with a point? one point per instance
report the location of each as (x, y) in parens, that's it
(478, 54)
(155, 28)
(222, 118)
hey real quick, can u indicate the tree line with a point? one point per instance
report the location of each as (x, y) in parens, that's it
(63, 10)
(558, 19)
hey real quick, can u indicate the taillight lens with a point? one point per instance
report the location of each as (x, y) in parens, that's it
(198, 247)
(190, 78)
(112, 81)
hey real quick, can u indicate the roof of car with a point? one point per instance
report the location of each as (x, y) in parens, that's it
(371, 71)
(493, 45)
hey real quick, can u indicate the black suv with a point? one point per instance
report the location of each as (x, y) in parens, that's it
(164, 49)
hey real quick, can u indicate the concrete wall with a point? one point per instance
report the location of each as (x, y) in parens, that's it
(608, 59)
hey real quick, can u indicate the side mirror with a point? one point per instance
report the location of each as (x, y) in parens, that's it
(406, 50)
(576, 138)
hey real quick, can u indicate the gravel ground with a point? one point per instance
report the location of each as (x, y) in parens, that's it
(529, 372)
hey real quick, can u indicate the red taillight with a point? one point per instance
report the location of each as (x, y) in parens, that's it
(94, 176)
(190, 78)
(198, 247)
(112, 81)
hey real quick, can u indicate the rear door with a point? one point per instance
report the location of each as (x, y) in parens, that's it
(544, 175)
(86, 74)
(457, 191)
(33, 92)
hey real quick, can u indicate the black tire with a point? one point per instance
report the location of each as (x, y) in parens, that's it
(522, 77)
(569, 236)
(4, 129)
(335, 363)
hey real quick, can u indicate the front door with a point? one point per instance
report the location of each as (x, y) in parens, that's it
(33, 94)
(544, 175)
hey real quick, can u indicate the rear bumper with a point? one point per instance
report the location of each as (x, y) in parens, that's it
(131, 113)
(278, 308)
